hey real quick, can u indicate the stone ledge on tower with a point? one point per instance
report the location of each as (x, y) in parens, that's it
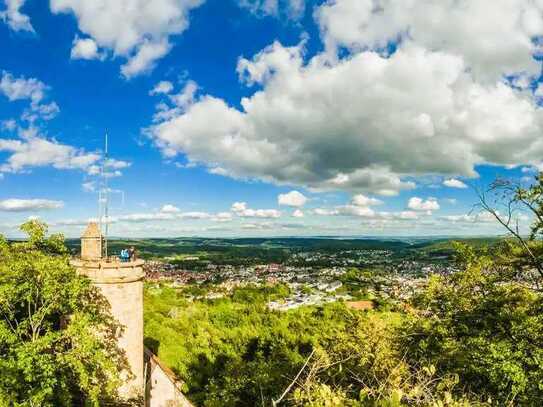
(110, 272)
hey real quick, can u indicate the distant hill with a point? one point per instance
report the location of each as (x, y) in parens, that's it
(272, 248)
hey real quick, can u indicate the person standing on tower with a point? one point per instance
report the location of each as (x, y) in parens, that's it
(132, 253)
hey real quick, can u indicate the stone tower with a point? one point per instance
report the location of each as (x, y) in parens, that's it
(121, 283)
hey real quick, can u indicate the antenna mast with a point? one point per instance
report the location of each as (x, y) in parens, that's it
(106, 195)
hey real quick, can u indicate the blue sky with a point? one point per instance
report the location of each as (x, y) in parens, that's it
(266, 118)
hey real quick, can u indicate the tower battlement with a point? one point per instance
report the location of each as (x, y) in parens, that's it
(110, 271)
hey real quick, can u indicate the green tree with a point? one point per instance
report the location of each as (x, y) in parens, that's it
(508, 201)
(57, 338)
(484, 324)
(483, 328)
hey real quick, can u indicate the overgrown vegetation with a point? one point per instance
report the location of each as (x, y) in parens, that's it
(57, 338)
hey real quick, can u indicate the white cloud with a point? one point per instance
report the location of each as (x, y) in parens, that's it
(367, 213)
(168, 213)
(138, 30)
(480, 217)
(359, 206)
(454, 183)
(177, 103)
(362, 200)
(34, 150)
(89, 186)
(144, 60)
(401, 216)
(325, 212)
(116, 164)
(365, 123)
(492, 40)
(297, 214)
(25, 205)
(353, 210)
(169, 209)
(30, 89)
(257, 226)
(186, 97)
(9, 125)
(13, 17)
(222, 217)
(22, 88)
(291, 8)
(163, 87)
(111, 168)
(292, 198)
(419, 204)
(145, 217)
(241, 210)
(85, 48)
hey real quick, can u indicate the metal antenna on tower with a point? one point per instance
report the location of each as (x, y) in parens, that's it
(103, 197)
(106, 193)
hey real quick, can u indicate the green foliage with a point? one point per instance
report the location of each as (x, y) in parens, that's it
(57, 343)
(235, 352)
(483, 328)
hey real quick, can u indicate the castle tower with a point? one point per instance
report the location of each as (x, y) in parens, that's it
(121, 283)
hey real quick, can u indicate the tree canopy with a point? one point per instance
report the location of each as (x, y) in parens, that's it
(57, 338)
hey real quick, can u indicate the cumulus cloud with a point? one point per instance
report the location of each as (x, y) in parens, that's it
(241, 210)
(297, 214)
(27, 205)
(13, 17)
(419, 204)
(29, 148)
(137, 30)
(480, 217)
(359, 206)
(110, 168)
(85, 48)
(115, 164)
(32, 90)
(362, 200)
(163, 87)
(22, 88)
(176, 103)
(454, 183)
(292, 198)
(37, 151)
(169, 209)
(492, 40)
(362, 123)
(291, 8)
(144, 60)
